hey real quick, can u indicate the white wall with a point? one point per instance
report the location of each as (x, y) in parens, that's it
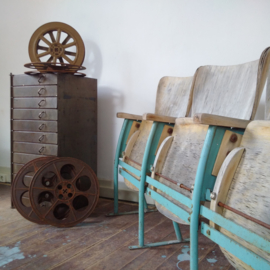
(130, 45)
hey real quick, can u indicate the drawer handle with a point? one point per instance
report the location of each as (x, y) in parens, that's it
(42, 114)
(41, 149)
(41, 90)
(42, 101)
(41, 79)
(41, 126)
(41, 138)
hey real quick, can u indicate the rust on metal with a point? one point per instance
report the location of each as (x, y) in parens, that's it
(69, 197)
(137, 163)
(170, 130)
(45, 67)
(244, 215)
(233, 138)
(174, 182)
(20, 188)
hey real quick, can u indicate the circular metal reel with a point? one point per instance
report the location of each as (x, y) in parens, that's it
(54, 67)
(56, 42)
(74, 192)
(20, 188)
(34, 72)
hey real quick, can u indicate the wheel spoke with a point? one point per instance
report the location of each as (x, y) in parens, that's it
(58, 35)
(54, 59)
(50, 59)
(67, 59)
(66, 40)
(42, 48)
(43, 54)
(51, 208)
(71, 209)
(61, 60)
(22, 189)
(70, 53)
(69, 44)
(77, 175)
(52, 36)
(43, 188)
(46, 41)
(57, 172)
(85, 193)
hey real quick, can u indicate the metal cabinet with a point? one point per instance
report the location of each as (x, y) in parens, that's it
(53, 115)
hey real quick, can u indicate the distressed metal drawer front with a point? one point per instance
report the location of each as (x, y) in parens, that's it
(24, 158)
(35, 91)
(32, 125)
(38, 79)
(16, 167)
(35, 103)
(35, 148)
(35, 137)
(35, 114)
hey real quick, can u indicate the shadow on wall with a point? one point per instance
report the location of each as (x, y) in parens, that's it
(92, 60)
(109, 100)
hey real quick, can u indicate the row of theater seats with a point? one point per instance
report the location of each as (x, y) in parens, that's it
(201, 145)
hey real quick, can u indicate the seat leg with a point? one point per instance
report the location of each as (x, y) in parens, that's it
(177, 231)
(165, 243)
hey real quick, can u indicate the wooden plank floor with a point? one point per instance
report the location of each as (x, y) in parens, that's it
(97, 243)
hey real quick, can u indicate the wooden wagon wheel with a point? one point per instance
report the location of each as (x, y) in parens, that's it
(73, 194)
(56, 42)
(20, 188)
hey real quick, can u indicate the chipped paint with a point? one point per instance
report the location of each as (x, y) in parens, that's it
(184, 256)
(163, 256)
(8, 255)
(212, 260)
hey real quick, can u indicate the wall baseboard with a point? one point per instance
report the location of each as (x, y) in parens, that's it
(5, 171)
(106, 188)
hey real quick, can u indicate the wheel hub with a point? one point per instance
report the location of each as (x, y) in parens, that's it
(64, 191)
(56, 50)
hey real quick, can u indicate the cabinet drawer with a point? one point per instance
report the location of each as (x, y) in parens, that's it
(35, 148)
(24, 158)
(36, 102)
(32, 125)
(35, 91)
(38, 79)
(16, 167)
(35, 137)
(35, 114)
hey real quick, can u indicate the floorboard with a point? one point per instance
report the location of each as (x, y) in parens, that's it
(97, 243)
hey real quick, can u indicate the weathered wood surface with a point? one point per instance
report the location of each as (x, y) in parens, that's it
(174, 96)
(226, 147)
(217, 120)
(182, 160)
(137, 151)
(249, 190)
(97, 243)
(172, 100)
(128, 116)
(232, 91)
(224, 179)
(159, 118)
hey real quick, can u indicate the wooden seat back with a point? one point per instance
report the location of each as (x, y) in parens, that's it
(174, 96)
(232, 91)
(249, 189)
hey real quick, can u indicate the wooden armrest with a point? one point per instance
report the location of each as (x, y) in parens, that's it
(217, 120)
(158, 118)
(129, 116)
